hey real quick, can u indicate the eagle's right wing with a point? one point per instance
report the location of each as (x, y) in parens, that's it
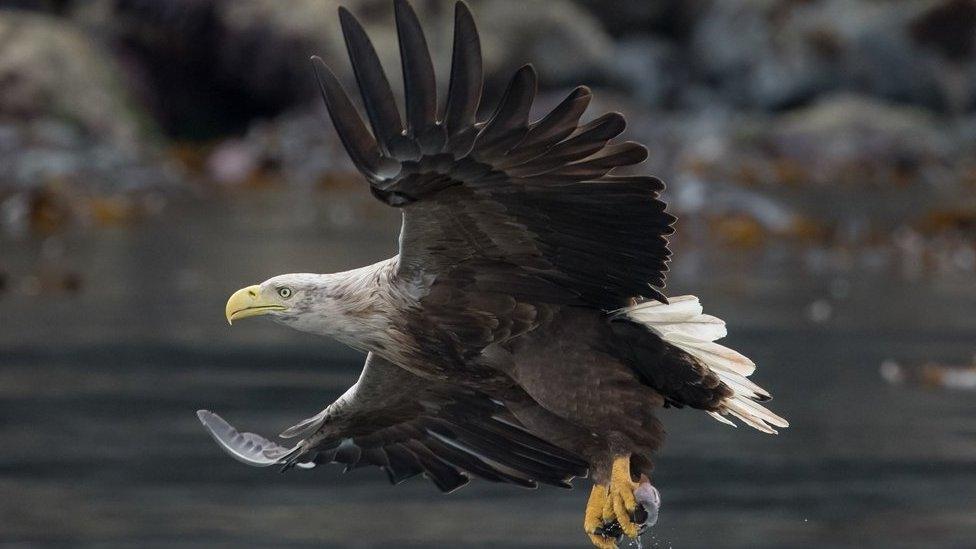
(408, 426)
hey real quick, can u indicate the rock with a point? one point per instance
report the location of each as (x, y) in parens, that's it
(773, 54)
(564, 43)
(207, 67)
(50, 66)
(949, 28)
(846, 170)
(743, 211)
(648, 69)
(299, 147)
(72, 139)
(671, 18)
(841, 142)
(211, 67)
(850, 140)
(58, 7)
(53, 180)
(46, 150)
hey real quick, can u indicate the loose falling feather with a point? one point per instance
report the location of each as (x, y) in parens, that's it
(248, 448)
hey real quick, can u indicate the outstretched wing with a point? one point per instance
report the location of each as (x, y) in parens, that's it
(537, 211)
(409, 426)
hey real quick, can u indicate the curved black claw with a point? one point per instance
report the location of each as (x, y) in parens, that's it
(610, 529)
(613, 530)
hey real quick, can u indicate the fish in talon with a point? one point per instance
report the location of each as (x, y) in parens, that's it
(649, 500)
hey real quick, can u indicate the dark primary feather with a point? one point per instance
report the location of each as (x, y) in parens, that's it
(381, 108)
(418, 73)
(553, 128)
(509, 124)
(349, 125)
(464, 89)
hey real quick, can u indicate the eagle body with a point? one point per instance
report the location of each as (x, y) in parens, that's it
(521, 334)
(597, 384)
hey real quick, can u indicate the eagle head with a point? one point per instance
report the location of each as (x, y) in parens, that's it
(341, 305)
(281, 296)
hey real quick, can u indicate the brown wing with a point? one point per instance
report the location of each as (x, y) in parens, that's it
(533, 211)
(409, 426)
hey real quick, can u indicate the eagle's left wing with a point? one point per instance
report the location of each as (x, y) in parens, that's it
(409, 426)
(537, 211)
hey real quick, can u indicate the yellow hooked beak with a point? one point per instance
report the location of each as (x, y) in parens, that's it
(250, 302)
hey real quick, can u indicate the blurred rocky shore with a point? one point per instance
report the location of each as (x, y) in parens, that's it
(842, 129)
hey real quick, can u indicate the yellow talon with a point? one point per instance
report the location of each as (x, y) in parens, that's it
(593, 519)
(594, 508)
(622, 488)
(613, 503)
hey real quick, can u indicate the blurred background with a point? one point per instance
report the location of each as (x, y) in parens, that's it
(156, 155)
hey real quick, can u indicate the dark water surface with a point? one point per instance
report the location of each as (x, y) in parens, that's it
(101, 446)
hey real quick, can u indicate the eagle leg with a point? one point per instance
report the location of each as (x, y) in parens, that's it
(622, 507)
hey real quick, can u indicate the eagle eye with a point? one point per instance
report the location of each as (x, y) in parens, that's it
(284, 292)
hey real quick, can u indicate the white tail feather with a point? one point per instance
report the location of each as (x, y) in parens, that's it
(722, 419)
(713, 354)
(683, 324)
(679, 308)
(744, 387)
(734, 407)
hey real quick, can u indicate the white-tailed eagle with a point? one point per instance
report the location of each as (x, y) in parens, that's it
(521, 335)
